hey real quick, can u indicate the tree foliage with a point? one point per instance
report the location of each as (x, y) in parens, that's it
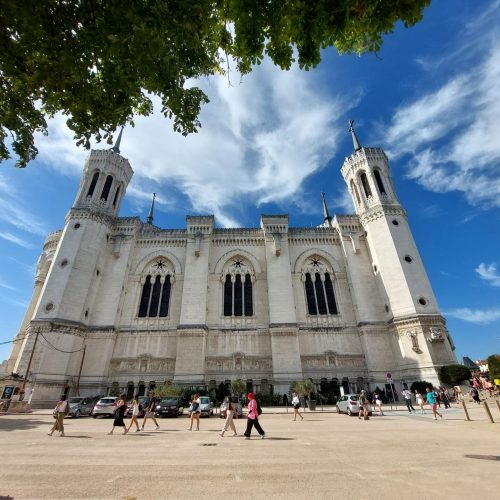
(238, 387)
(168, 390)
(100, 61)
(420, 386)
(454, 374)
(494, 366)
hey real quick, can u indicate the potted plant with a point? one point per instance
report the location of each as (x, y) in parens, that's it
(309, 387)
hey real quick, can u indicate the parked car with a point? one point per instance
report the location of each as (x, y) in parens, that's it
(236, 403)
(169, 407)
(142, 408)
(348, 403)
(79, 407)
(206, 406)
(105, 407)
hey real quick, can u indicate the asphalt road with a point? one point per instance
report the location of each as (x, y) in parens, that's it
(325, 456)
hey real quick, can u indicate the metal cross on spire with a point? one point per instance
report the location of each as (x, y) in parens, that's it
(149, 219)
(355, 141)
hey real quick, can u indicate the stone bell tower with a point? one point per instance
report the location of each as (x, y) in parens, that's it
(418, 326)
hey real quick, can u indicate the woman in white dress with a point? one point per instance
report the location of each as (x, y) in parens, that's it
(296, 407)
(420, 401)
(135, 414)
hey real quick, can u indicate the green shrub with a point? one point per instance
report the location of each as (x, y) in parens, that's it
(494, 366)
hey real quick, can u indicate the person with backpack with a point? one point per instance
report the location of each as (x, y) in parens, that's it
(60, 411)
(136, 409)
(254, 411)
(364, 406)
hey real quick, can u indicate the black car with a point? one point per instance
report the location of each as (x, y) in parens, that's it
(169, 407)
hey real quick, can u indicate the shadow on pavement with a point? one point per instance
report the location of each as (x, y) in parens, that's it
(484, 457)
(77, 437)
(21, 424)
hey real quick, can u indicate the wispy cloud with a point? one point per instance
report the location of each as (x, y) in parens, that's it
(451, 132)
(15, 239)
(260, 140)
(18, 303)
(5, 285)
(480, 316)
(488, 272)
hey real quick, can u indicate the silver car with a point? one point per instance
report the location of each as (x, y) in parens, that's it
(105, 407)
(206, 406)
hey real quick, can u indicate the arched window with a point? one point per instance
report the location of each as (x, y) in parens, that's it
(156, 290)
(116, 196)
(378, 180)
(106, 188)
(320, 296)
(93, 184)
(366, 186)
(238, 293)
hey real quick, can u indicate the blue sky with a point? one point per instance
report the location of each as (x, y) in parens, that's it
(273, 142)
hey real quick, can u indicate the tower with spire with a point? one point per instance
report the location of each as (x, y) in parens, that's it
(415, 319)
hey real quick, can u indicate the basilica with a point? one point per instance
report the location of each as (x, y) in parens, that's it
(123, 305)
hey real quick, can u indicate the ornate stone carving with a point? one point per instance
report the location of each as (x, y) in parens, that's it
(413, 336)
(144, 364)
(436, 334)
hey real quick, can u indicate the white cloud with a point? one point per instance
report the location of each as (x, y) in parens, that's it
(475, 315)
(15, 239)
(6, 285)
(259, 141)
(488, 272)
(451, 133)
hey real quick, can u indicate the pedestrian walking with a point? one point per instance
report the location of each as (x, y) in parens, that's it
(296, 407)
(364, 406)
(444, 398)
(475, 395)
(253, 417)
(61, 410)
(432, 400)
(194, 410)
(121, 408)
(136, 408)
(150, 408)
(378, 404)
(420, 401)
(229, 422)
(407, 397)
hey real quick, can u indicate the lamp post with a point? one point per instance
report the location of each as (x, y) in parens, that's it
(29, 362)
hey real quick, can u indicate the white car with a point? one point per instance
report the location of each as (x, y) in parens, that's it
(348, 403)
(105, 407)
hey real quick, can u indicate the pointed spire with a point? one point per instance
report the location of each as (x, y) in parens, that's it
(149, 220)
(116, 147)
(326, 215)
(355, 141)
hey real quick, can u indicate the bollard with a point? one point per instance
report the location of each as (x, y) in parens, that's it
(488, 412)
(498, 403)
(465, 410)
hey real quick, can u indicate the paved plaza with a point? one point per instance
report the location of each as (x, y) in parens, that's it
(325, 456)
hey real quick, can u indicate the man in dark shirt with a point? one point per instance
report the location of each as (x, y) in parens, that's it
(149, 410)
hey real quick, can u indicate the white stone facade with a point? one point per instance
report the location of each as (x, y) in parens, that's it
(91, 275)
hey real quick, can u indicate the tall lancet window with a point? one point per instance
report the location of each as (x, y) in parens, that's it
(156, 290)
(366, 185)
(378, 180)
(106, 188)
(93, 183)
(318, 288)
(237, 289)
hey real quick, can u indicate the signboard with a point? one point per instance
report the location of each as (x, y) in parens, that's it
(389, 377)
(7, 391)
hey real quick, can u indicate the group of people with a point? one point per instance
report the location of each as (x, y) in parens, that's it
(62, 409)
